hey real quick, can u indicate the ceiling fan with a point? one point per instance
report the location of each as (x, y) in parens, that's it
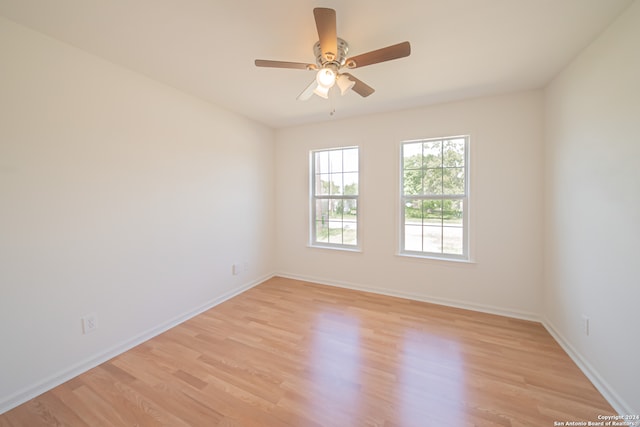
(331, 59)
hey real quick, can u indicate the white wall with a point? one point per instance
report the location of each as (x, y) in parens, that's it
(593, 209)
(506, 205)
(118, 196)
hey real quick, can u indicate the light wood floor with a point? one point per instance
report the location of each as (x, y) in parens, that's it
(292, 353)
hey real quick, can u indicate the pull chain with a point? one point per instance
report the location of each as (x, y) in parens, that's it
(332, 108)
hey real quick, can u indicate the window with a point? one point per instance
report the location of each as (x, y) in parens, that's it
(434, 197)
(334, 198)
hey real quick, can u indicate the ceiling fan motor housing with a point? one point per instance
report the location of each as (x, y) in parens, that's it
(330, 59)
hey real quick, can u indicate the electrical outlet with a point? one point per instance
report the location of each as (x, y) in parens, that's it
(585, 325)
(89, 323)
(239, 268)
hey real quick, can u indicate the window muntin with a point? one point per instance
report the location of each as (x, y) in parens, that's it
(334, 197)
(434, 197)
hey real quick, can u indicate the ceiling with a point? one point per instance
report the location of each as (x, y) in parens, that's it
(460, 48)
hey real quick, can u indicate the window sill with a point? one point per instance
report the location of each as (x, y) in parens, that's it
(336, 248)
(436, 258)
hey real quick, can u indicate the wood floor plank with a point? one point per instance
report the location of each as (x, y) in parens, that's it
(288, 353)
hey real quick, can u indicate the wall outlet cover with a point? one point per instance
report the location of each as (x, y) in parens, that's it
(89, 323)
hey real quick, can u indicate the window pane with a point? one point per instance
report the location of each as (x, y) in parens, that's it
(432, 212)
(335, 232)
(412, 156)
(350, 210)
(336, 184)
(350, 181)
(413, 238)
(432, 152)
(452, 213)
(335, 161)
(322, 162)
(432, 239)
(322, 210)
(452, 239)
(453, 181)
(453, 153)
(322, 184)
(412, 182)
(350, 160)
(335, 209)
(432, 181)
(413, 212)
(322, 231)
(350, 233)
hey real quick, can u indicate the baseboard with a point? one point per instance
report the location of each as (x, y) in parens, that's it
(516, 314)
(618, 404)
(73, 371)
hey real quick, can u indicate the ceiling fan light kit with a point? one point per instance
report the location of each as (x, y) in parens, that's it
(331, 57)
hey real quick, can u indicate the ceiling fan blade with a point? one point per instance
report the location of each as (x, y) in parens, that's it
(360, 87)
(327, 33)
(284, 64)
(388, 53)
(308, 92)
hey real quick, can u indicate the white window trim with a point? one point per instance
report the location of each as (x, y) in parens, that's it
(466, 256)
(312, 229)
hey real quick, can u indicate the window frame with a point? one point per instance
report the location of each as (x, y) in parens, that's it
(403, 199)
(313, 197)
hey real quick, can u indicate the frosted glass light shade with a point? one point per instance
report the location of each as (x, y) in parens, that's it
(326, 77)
(344, 83)
(322, 91)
